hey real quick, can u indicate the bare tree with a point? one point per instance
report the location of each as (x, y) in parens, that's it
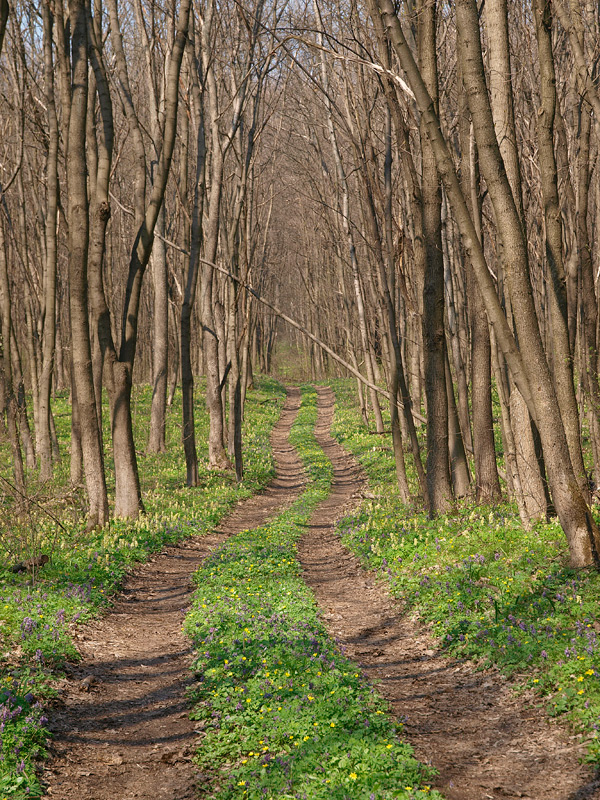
(91, 443)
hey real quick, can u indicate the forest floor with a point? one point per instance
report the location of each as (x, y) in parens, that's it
(122, 728)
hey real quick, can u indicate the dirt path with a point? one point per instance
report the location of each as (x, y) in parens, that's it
(122, 728)
(486, 743)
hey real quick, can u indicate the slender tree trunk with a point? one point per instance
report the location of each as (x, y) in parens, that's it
(174, 362)
(487, 482)
(78, 254)
(76, 450)
(4, 11)
(513, 477)
(128, 499)
(160, 341)
(10, 402)
(398, 387)
(434, 339)
(562, 362)
(44, 447)
(160, 321)
(459, 467)
(18, 381)
(210, 339)
(452, 340)
(235, 386)
(191, 275)
(502, 107)
(589, 304)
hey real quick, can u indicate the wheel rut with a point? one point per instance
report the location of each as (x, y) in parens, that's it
(121, 727)
(486, 743)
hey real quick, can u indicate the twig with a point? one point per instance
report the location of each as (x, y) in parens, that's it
(34, 502)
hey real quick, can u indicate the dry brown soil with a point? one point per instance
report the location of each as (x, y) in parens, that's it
(484, 740)
(121, 729)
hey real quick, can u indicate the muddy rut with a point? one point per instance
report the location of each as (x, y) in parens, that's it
(486, 743)
(122, 728)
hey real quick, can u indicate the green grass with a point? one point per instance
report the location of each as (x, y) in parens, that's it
(87, 568)
(283, 713)
(490, 590)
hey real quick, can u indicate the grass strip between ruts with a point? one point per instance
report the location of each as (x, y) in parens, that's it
(492, 591)
(283, 714)
(37, 621)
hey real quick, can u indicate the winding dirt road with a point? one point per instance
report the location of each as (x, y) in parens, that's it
(123, 730)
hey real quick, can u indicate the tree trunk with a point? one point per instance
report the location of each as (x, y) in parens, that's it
(10, 402)
(160, 341)
(191, 273)
(487, 482)
(434, 339)
(502, 107)
(562, 362)
(581, 531)
(44, 447)
(589, 304)
(217, 456)
(128, 500)
(459, 467)
(76, 451)
(93, 463)
(4, 11)
(22, 418)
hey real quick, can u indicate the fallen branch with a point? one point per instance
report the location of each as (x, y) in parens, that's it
(308, 334)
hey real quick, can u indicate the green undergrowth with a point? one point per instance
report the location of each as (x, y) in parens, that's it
(38, 611)
(491, 591)
(282, 713)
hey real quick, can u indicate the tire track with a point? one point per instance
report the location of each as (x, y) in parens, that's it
(487, 743)
(121, 727)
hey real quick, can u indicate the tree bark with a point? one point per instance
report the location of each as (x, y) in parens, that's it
(434, 338)
(128, 498)
(93, 462)
(44, 446)
(562, 362)
(502, 108)
(4, 11)
(22, 418)
(10, 402)
(487, 482)
(217, 455)
(160, 342)
(191, 272)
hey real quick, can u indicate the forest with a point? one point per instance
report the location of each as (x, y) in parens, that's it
(300, 335)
